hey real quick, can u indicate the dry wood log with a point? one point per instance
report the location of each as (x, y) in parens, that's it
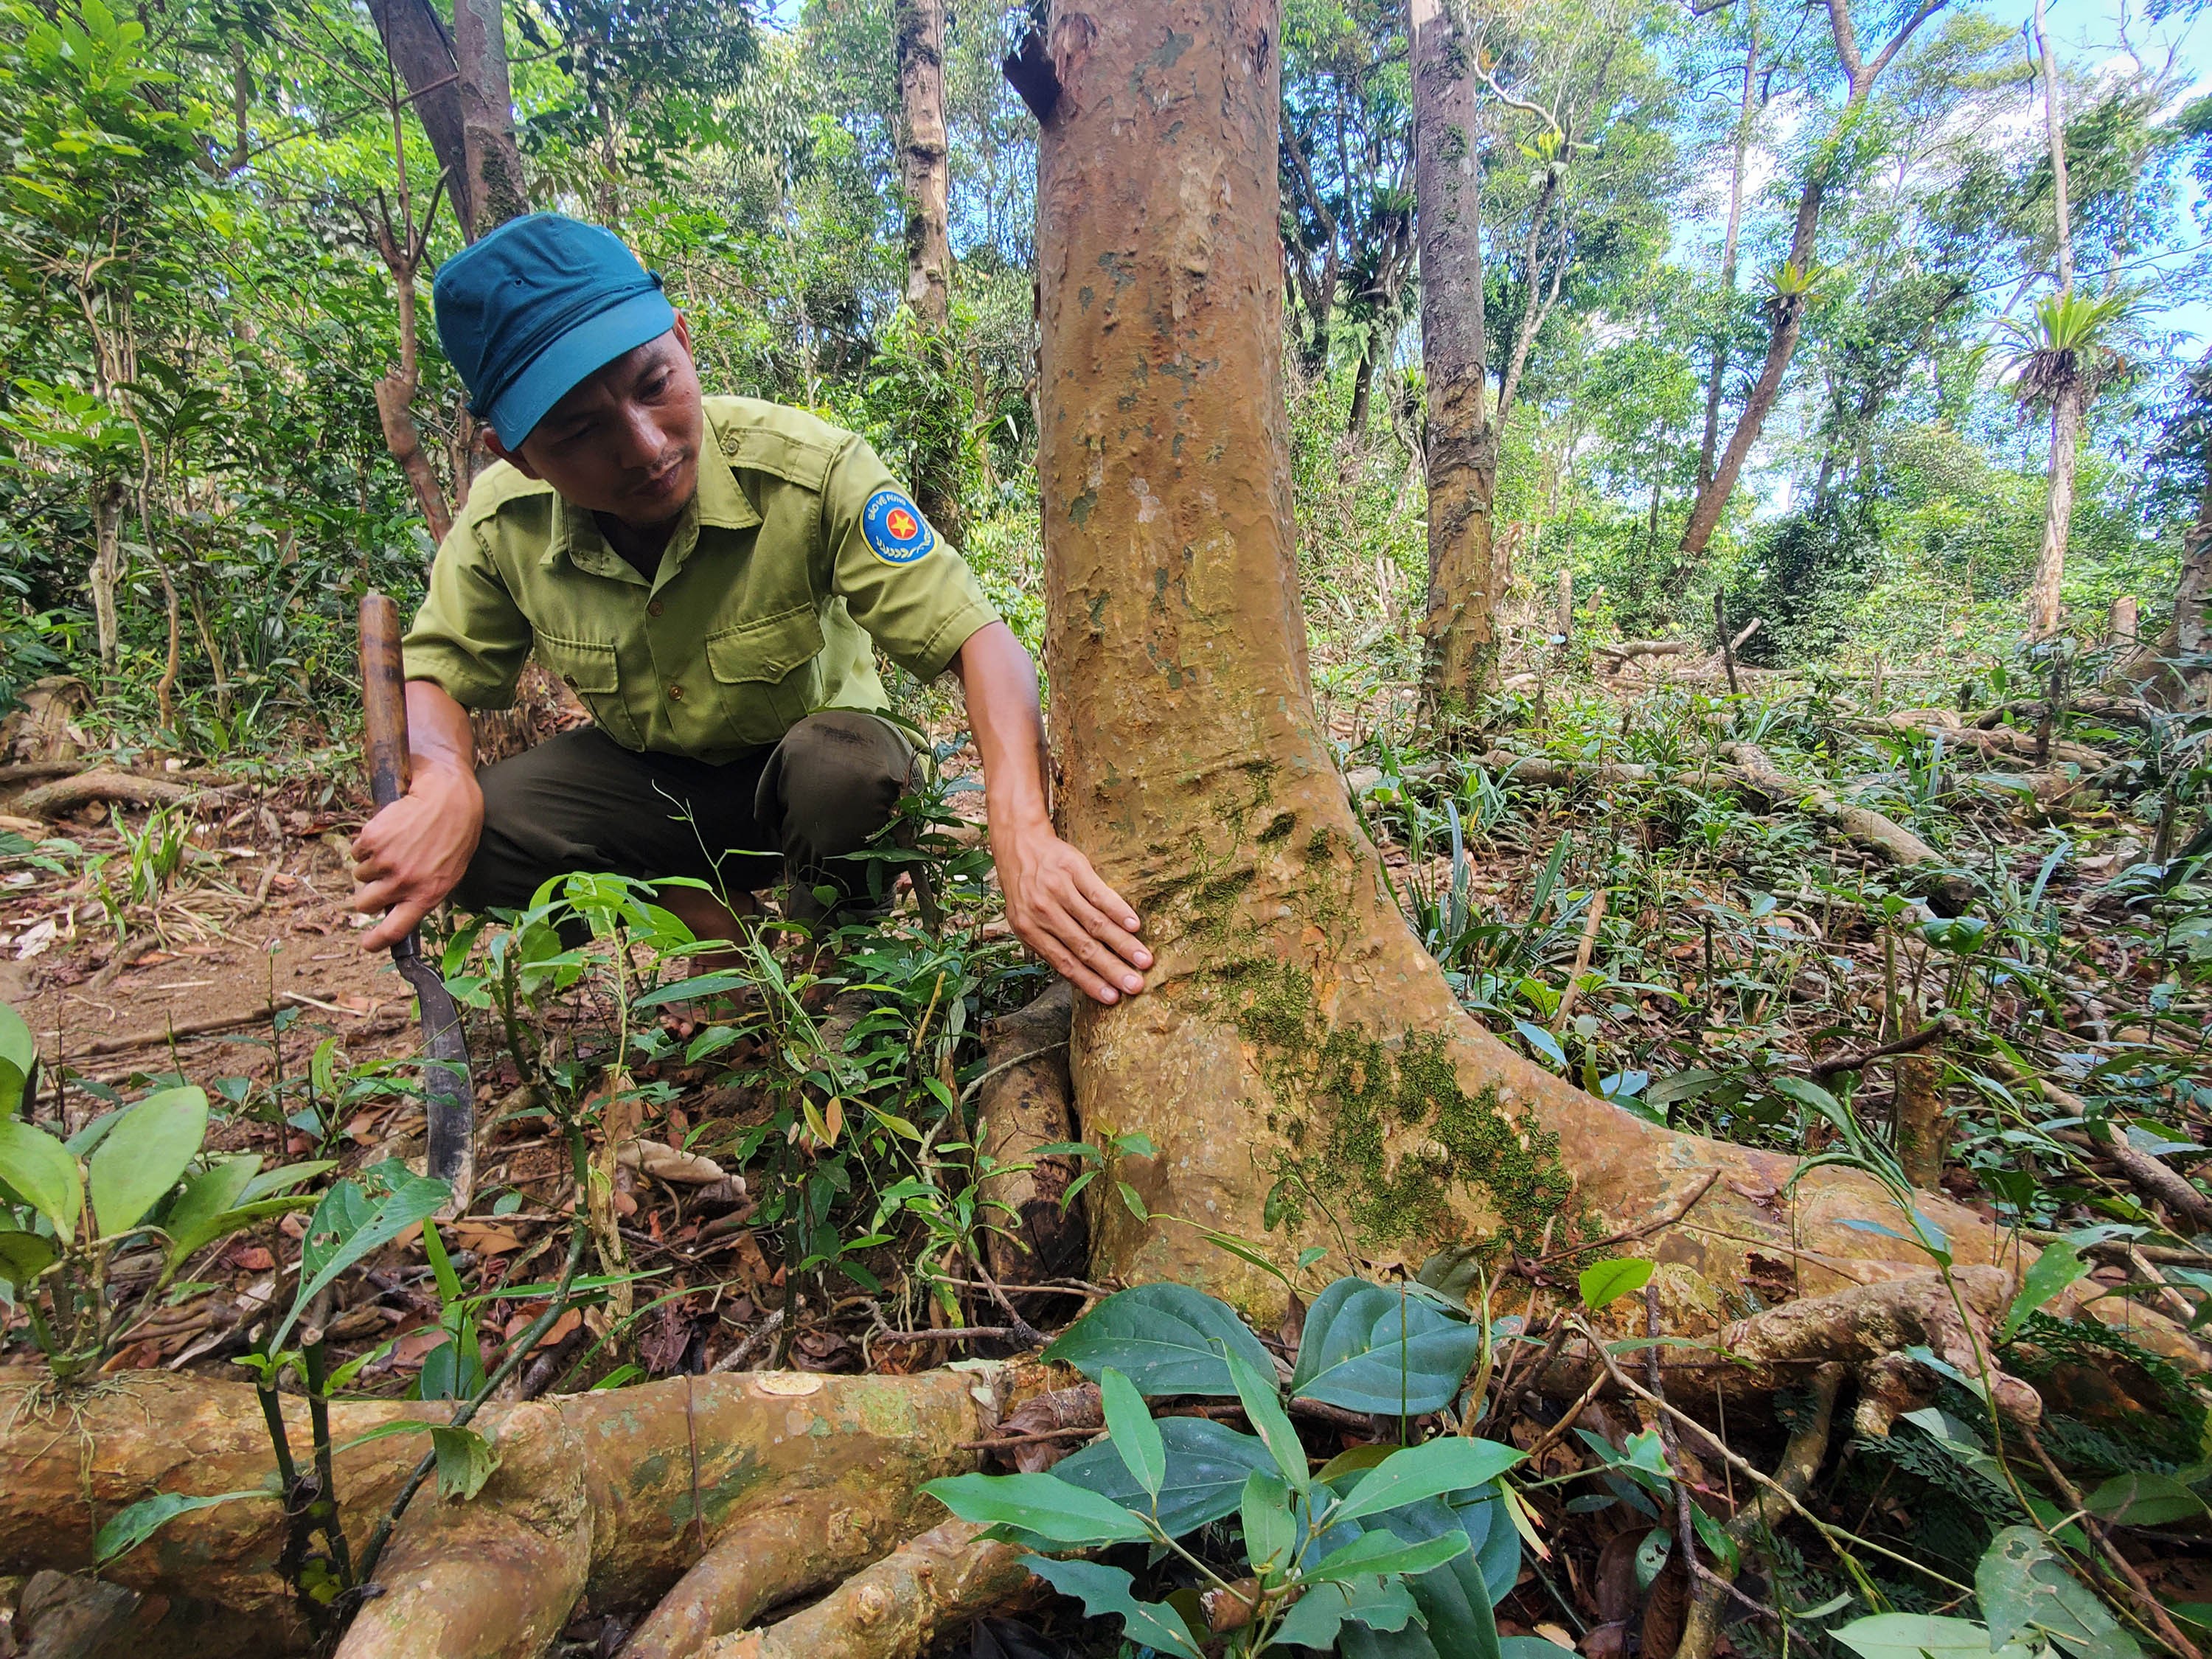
(1631, 648)
(1948, 892)
(617, 1494)
(50, 800)
(2099, 705)
(1025, 1102)
(1998, 740)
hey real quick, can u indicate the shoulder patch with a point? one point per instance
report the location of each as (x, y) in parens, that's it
(895, 530)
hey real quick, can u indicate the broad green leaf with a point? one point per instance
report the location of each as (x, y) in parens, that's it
(1131, 1428)
(1608, 1281)
(40, 1168)
(183, 1244)
(1207, 1464)
(130, 1526)
(1055, 1509)
(11, 1085)
(1106, 1592)
(466, 1460)
(143, 1156)
(1922, 1636)
(1166, 1339)
(2024, 1589)
(24, 1256)
(2058, 1267)
(1271, 1530)
(1369, 1348)
(272, 1181)
(1354, 1459)
(1385, 1553)
(207, 1193)
(1451, 1463)
(1263, 1409)
(1380, 1603)
(16, 1042)
(2141, 1499)
(354, 1221)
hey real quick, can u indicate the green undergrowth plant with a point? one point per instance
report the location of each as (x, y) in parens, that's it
(1402, 1547)
(131, 1195)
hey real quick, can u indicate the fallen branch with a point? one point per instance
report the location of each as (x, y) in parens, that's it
(51, 800)
(1793, 1478)
(1948, 892)
(1904, 1045)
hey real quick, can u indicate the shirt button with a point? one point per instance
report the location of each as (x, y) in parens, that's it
(676, 694)
(654, 609)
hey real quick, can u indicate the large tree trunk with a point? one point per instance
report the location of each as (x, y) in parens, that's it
(496, 191)
(1460, 635)
(925, 175)
(1299, 1057)
(2059, 513)
(1717, 375)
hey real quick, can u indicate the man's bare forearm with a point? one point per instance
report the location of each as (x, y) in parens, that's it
(1001, 686)
(1055, 901)
(439, 736)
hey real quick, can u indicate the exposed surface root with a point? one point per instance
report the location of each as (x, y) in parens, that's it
(1026, 1101)
(617, 1494)
(1864, 1325)
(945, 1577)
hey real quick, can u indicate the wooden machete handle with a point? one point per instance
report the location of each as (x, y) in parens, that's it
(383, 699)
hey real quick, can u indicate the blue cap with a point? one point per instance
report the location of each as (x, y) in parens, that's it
(539, 305)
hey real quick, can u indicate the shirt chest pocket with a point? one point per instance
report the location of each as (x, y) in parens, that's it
(768, 671)
(593, 672)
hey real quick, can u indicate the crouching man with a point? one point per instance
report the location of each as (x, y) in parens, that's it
(707, 575)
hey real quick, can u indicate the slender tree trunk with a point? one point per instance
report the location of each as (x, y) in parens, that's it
(2058, 515)
(2068, 409)
(1789, 318)
(494, 162)
(1459, 628)
(1363, 386)
(2054, 133)
(924, 172)
(1787, 310)
(105, 578)
(420, 47)
(1299, 1065)
(925, 178)
(1716, 376)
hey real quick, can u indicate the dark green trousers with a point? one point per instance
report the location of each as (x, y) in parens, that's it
(795, 811)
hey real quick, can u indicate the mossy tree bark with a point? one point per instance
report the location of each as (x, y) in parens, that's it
(1300, 1064)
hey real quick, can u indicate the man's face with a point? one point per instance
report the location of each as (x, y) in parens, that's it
(626, 442)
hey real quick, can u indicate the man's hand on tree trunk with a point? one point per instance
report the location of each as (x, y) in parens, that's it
(1055, 900)
(1062, 911)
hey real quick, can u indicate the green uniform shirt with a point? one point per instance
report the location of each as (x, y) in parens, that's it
(799, 547)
